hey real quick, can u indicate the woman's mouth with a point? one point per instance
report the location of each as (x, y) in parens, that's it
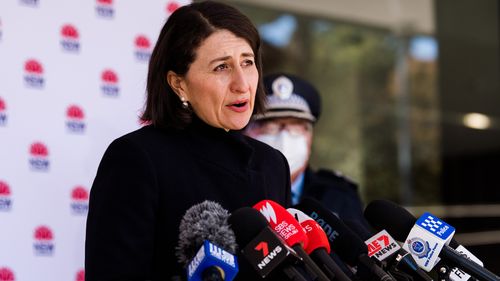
(239, 106)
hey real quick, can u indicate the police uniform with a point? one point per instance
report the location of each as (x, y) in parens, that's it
(290, 96)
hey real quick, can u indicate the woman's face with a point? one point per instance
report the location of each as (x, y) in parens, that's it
(221, 83)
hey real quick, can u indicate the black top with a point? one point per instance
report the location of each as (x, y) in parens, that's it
(335, 192)
(146, 181)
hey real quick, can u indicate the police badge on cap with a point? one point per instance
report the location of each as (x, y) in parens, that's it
(290, 96)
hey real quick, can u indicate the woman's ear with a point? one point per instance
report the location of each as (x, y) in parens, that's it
(176, 83)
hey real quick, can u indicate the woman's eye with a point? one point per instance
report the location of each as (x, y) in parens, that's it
(248, 62)
(221, 67)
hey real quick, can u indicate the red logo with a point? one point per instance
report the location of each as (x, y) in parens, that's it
(104, 8)
(43, 233)
(375, 246)
(32, 66)
(6, 274)
(75, 122)
(172, 6)
(43, 245)
(3, 115)
(80, 193)
(80, 197)
(109, 76)
(142, 48)
(109, 80)
(4, 189)
(5, 201)
(142, 42)
(70, 32)
(39, 149)
(39, 157)
(262, 246)
(74, 112)
(80, 275)
(34, 73)
(105, 2)
(69, 41)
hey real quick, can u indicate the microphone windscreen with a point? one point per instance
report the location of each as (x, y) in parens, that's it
(384, 214)
(246, 223)
(359, 229)
(204, 221)
(347, 244)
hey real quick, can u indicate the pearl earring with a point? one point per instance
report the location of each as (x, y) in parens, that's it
(184, 103)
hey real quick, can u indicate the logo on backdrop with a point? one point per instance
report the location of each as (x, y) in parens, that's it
(79, 200)
(109, 86)
(3, 113)
(80, 275)
(142, 48)
(6, 274)
(39, 157)
(171, 7)
(104, 8)
(70, 38)
(75, 119)
(44, 241)
(33, 3)
(5, 200)
(33, 74)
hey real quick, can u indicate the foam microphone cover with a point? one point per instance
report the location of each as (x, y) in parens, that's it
(246, 223)
(204, 221)
(359, 229)
(384, 214)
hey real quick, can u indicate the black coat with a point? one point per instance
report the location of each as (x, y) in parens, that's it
(335, 192)
(148, 179)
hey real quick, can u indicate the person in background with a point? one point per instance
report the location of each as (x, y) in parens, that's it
(203, 85)
(293, 107)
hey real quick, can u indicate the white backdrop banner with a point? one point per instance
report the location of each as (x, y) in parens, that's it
(72, 79)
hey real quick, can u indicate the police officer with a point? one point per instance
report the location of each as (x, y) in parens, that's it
(293, 107)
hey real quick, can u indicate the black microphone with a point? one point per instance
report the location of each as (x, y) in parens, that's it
(318, 247)
(384, 214)
(397, 258)
(346, 244)
(265, 251)
(207, 244)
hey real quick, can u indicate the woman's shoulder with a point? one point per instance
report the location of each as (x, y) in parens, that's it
(146, 138)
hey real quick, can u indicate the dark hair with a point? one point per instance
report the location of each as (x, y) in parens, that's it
(176, 49)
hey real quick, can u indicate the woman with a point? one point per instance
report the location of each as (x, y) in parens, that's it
(203, 86)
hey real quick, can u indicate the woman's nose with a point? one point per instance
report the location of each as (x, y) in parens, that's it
(239, 82)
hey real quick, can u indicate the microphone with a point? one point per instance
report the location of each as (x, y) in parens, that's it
(386, 249)
(291, 231)
(206, 243)
(264, 250)
(344, 242)
(384, 214)
(318, 247)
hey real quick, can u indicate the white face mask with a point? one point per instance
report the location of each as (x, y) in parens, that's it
(293, 147)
